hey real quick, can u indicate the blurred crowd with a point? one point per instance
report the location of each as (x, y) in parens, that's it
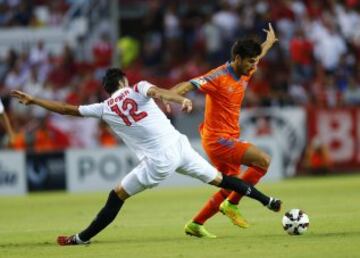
(34, 13)
(316, 61)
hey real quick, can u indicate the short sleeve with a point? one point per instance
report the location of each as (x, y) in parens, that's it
(205, 83)
(1, 107)
(93, 110)
(142, 87)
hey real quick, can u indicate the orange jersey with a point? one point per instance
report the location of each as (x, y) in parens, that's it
(224, 95)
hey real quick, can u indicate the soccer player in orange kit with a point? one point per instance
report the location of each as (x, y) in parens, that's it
(225, 88)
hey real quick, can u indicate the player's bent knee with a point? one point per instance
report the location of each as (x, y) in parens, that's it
(263, 163)
(267, 161)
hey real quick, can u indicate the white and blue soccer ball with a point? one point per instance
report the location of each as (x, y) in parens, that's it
(295, 222)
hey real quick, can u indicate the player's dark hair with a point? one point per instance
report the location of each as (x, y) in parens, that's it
(111, 79)
(245, 48)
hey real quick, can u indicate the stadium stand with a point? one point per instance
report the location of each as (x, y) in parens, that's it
(59, 50)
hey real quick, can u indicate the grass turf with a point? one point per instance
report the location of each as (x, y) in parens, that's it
(151, 224)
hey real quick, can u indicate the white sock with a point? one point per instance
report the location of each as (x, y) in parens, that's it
(79, 241)
(271, 199)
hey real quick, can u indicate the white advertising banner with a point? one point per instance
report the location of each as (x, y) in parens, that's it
(12, 173)
(286, 127)
(270, 146)
(102, 169)
(97, 169)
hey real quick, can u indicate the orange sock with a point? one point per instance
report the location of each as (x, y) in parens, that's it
(211, 207)
(252, 175)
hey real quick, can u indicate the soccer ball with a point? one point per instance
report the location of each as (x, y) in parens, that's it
(295, 222)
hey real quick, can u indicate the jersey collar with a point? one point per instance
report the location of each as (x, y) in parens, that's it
(231, 71)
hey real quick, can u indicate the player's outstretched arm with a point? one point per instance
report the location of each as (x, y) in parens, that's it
(269, 42)
(54, 106)
(169, 95)
(183, 87)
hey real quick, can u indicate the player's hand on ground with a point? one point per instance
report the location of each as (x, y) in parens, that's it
(23, 97)
(187, 105)
(270, 35)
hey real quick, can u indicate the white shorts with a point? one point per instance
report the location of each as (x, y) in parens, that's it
(179, 157)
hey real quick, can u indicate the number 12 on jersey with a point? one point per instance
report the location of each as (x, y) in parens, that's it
(132, 106)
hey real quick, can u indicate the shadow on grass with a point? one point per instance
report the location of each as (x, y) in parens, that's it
(333, 234)
(178, 239)
(148, 240)
(27, 244)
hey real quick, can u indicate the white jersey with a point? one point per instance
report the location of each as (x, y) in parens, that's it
(136, 119)
(1, 107)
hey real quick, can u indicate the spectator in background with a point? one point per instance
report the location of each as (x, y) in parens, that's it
(5, 15)
(348, 20)
(106, 137)
(329, 47)
(6, 63)
(317, 158)
(228, 21)
(47, 138)
(263, 127)
(172, 29)
(301, 55)
(324, 91)
(213, 41)
(63, 70)
(38, 54)
(23, 13)
(333, 97)
(56, 12)
(153, 31)
(352, 93)
(102, 52)
(259, 93)
(16, 77)
(129, 49)
(298, 93)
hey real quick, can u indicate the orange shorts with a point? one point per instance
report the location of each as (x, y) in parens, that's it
(226, 153)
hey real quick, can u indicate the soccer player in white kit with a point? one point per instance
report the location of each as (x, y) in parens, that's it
(133, 115)
(5, 121)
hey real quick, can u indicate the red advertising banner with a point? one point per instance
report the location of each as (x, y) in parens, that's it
(339, 131)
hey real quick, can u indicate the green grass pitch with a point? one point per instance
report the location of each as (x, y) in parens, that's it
(151, 224)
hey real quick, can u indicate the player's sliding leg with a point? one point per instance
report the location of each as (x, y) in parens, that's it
(251, 176)
(130, 185)
(257, 161)
(105, 216)
(230, 206)
(250, 191)
(238, 185)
